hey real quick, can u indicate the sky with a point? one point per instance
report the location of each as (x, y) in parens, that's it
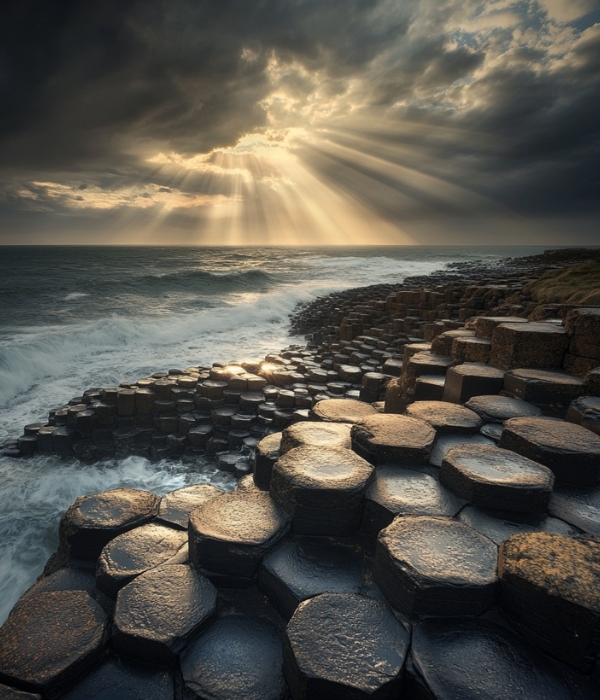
(271, 122)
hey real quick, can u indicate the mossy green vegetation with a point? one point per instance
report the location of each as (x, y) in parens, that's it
(577, 284)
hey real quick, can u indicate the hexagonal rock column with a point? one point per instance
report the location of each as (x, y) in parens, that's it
(66, 579)
(445, 417)
(322, 489)
(304, 567)
(175, 507)
(551, 389)
(446, 441)
(392, 438)
(499, 525)
(342, 410)
(585, 411)
(485, 325)
(434, 566)
(528, 345)
(470, 350)
(316, 435)
(92, 521)
(265, 456)
(472, 379)
(229, 536)
(471, 659)
(132, 553)
(572, 452)
(51, 641)
(236, 658)
(495, 478)
(344, 646)
(579, 507)
(550, 592)
(162, 610)
(404, 491)
(126, 680)
(584, 327)
(497, 409)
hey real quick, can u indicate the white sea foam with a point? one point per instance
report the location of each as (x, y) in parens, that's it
(75, 295)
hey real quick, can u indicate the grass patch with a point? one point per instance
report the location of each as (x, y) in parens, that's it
(578, 284)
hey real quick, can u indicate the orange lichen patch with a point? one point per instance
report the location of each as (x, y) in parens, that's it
(558, 566)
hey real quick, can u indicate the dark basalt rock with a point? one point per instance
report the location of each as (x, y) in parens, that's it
(232, 536)
(236, 658)
(528, 345)
(497, 409)
(389, 438)
(492, 431)
(7, 693)
(550, 593)
(322, 489)
(434, 566)
(471, 379)
(495, 478)
(316, 435)
(579, 507)
(570, 451)
(342, 410)
(445, 442)
(124, 679)
(51, 641)
(553, 390)
(66, 579)
(499, 525)
(445, 417)
(267, 453)
(175, 507)
(340, 646)
(585, 411)
(132, 553)
(93, 521)
(159, 612)
(485, 325)
(304, 567)
(405, 491)
(474, 659)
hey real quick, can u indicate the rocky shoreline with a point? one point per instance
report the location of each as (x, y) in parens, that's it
(417, 514)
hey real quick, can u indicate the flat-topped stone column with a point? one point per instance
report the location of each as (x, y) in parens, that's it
(472, 379)
(390, 438)
(342, 645)
(528, 345)
(445, 417)
(436, 566)
(321, 434)
(570, 451)
(342, 410)
(496, 478)
(543, 599)
(322, 489)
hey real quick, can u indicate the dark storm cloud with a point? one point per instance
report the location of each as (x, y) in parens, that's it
(506, 97)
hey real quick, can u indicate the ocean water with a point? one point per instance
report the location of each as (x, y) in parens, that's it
(72, 318)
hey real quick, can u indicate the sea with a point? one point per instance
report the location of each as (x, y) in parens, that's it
(72, 318)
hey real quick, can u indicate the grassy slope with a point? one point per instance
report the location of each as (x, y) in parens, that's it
(578, 284)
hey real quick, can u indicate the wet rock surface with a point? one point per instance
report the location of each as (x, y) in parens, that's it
(233, 535)
(497, 409)
(124, 679)
(92, 521)
(304, 567)
(322, 489)
(545, 602)
(73, 641)
(577, 506)
(405, 491)
(445, 417)
(445, 442)
(159, 612)
(175, 507)
(499, 525)
(7, 693)
(394, 439)
(472, 659)
(435, 566)
(316, 435)
(570, 451)
(133, 553)
(237, 657)
(342, 646)
(585, 412)
(495, 478)
(267, 453)
(342, 410)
